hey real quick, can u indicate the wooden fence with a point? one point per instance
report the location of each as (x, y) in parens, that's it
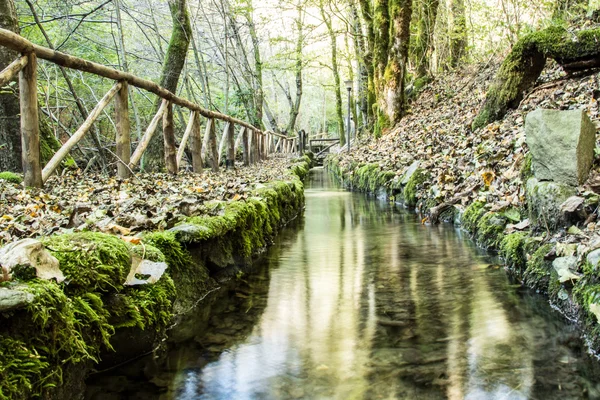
(256, 144)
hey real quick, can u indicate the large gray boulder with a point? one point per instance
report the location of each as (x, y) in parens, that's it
(544, 200)
(561, 144)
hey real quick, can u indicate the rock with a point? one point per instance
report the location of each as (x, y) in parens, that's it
(544, 200)
(410, 172)
(144, 272)
(565, 267)
(12, 299)
(30, 253)
(593, 257)
(561, 144)
(189, 233)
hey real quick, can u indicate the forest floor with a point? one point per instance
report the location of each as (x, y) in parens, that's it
(437, 133)
(74, 201)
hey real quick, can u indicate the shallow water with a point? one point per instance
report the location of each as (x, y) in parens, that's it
(359, 300)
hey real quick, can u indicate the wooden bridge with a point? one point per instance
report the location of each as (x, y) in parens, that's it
(256, 144)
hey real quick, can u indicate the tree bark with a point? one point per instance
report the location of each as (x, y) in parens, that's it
(173, 64)
(336, 74)
(393, 100)
(458, 35)
(525, 62)
(295, 110)
(10, 136)
(424, 38)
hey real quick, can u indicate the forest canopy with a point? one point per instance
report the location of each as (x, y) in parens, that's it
(282, 65)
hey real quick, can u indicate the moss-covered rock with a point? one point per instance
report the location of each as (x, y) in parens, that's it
(91, 261)
(490, 230)
(11, 177)
(512, 250)
(539, 270)
(544, 200)
(410, 191)
(471, 216)
(525, 63)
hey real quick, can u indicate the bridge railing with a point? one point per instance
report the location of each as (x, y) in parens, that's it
(256, 144)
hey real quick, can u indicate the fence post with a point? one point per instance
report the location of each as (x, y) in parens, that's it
(123, 138)
(255, 152)
(30, 126)
(230, 162)
(212, 151)
(196, 144)
(245, 148)
(169, 140)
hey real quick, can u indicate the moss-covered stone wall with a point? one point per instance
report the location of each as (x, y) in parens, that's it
(49, 346)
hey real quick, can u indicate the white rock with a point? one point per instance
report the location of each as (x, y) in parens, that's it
(30, 253)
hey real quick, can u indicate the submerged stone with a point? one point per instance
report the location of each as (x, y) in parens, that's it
(561, 144)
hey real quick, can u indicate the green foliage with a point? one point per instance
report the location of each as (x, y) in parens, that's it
(11, 177)
(91, 261)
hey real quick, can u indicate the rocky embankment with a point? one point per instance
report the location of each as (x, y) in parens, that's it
(104, 268)
(494, 181)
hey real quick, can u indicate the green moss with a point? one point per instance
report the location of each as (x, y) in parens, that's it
(148, 252)
(11, 177)
(176, 257)
(490, 230)
(410, 191)
(21, 367)
(59, 331)
(538, 272)
(526, 171)
(145, 306)
(524, 64)
(512, 250)
(91, 261)
(472, 215)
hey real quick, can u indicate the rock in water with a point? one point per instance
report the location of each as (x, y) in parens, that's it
(30, 253)
(561, 144)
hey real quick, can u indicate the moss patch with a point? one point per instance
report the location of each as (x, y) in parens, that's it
(512, 250)
(538, 272)
(11, 177)
(91, 261)
(410, 191)
(490, 230)
(472, 215)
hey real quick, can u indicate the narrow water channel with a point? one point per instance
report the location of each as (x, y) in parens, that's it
(359, 300)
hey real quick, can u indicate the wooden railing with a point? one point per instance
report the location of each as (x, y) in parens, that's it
(256, 144)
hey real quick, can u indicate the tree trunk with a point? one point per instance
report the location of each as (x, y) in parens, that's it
(525, 62)
(395, 71)
(363, 73)
(10, 135)
(424, 38)
(336, 74)
(295, 110)
(257, 120)
(563, 9)
(458, 35)
(172, 67)
(366, 11)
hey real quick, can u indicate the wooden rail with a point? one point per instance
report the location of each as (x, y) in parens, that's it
(256, 144)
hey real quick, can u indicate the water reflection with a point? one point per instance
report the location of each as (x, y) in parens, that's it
(364, 302)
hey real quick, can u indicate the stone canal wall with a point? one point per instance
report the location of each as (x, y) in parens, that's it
(541, 244)
(118, 298)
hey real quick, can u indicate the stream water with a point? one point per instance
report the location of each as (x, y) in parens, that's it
(359, 300)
